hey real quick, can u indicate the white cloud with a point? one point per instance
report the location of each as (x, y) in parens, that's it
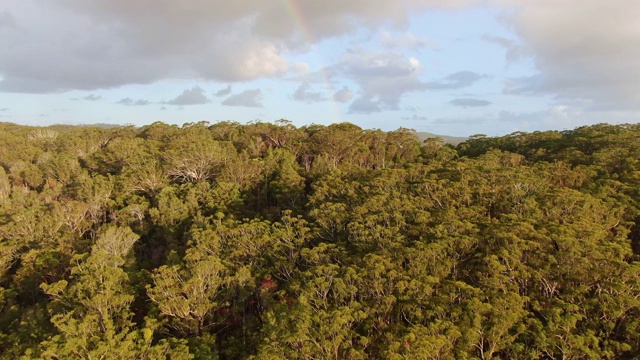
(305, 93)
(365, 105)
(90, 97)
(299, 68)
(404, 40)
(415, 117)
(144, 41)
(359, 63)
(525, 85)
(193, 96)
(468, 102)
(7, 19)
(383, 78)
(248, 98)
(457, 80)
(131, 102)
(343, 95)
(223, 92)
(514, 50)
(337, 17)
(239, 57)
(583, 49)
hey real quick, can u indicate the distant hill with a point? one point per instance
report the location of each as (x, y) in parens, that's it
(453, 140)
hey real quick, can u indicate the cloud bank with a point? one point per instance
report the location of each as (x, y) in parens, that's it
(581, 50)
(144, 41)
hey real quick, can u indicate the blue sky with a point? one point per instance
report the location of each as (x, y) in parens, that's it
(452, 67)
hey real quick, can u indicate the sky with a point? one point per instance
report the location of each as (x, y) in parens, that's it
(451, 67)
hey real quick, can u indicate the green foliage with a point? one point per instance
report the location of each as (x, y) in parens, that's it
(267, 241)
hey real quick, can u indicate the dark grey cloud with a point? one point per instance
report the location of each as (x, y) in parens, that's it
(458, 80)
(305, 93)
(248, 98)
(15, 84)
(131, 102)
(194, 96)
(223, 92)
(466, 102)
(343, 95)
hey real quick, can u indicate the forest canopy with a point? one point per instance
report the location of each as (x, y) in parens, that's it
(270, 241)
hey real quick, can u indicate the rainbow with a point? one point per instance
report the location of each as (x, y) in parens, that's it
(296, 14)
(294, 11)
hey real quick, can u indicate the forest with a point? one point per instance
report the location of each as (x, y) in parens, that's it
(271, 241)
